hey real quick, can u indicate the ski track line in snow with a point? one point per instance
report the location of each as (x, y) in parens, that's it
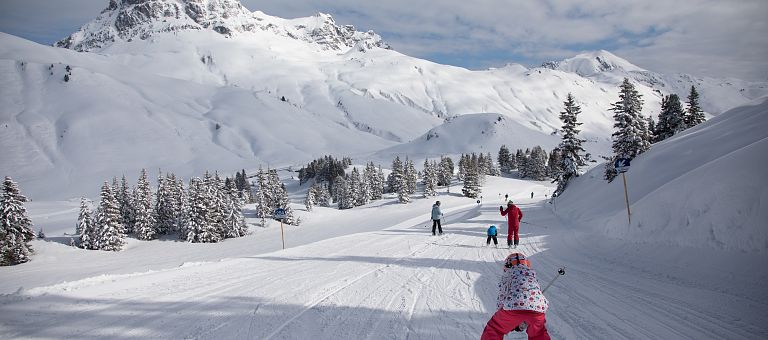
(339, 289)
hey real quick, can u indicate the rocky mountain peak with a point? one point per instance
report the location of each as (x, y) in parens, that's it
(128, 20)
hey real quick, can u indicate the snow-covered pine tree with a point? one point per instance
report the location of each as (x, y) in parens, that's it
(445, 172)
(354, 187)
(651, 124)
(164, 205)
(126, 206)
(570, 148)
(182, 207)
(631, 137)
(694, 115)
(85, 228)
(109, 234)
(464, 161)
(493, 170)
(16, 229)
(554, 164)
(343, 197)
(504, 160)
(537, 164)
(364, 193)
(323, 196)
(396, 176)
(234, 220)
(261, 197)
(671, 118)
(311, 199)
(284, 202)
(146, 221)
(273, 188)
(198, 213)
(520, 162)
(214, 229)
(411, 176)
(375, 183)
(471, 186)
(430, 178)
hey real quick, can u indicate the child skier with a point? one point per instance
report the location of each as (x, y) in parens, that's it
(520, 305)
(514, 216)
(492, 236)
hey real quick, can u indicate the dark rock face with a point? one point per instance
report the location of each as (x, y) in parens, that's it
(128, 20)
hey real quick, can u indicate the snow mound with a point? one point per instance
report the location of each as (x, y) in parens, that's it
(703, 188)
(482, 132)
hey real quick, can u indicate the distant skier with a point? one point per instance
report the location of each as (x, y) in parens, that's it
(520, 305)
(436, 216)
(514, 215)
(492, 236)
(531, 194)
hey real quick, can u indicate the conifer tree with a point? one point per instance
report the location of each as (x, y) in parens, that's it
(198, 211)
(323, 196)
(165, 205)
(671, 118)
(694, 115)
(126, 206)
(284, 203)
(504, 159)
(262, 197)
(214, 200)
(411, 176)
(109, 231)
(554, 164)
(145, 225)
(344, 198)
(395, 178)
(311, 199)
(85, 227)
(471, 186)
(364, 192)
(537, 164)
(568, 157)
(234, 220)
(354, 187)
(631, 137)
(375, 181)
(430, 178)
(446, 172)
(16, 229)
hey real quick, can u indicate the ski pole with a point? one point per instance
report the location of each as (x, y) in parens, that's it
(560, 272)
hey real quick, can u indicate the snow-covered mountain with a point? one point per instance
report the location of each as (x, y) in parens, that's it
(603, 66)
(126, 20)
(190, 85)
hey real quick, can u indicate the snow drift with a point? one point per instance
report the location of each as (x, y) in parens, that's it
(703, 188)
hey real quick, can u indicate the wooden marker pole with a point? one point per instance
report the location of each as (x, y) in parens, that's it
(626, 197)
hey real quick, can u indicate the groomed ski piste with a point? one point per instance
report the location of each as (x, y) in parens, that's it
(376, 272)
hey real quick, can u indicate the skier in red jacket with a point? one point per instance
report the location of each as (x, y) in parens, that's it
(514, 215)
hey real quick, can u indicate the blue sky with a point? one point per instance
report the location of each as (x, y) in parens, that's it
(717, 38)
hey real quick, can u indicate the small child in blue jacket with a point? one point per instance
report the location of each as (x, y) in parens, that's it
(492, 236)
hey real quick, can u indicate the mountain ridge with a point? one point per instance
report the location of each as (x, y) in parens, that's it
(126, 20)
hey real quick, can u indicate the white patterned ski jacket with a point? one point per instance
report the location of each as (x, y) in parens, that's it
(520, 290)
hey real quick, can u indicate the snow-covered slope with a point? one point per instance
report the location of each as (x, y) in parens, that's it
(376, 272)
(205, 78)
(703, 188)
(481, 132)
